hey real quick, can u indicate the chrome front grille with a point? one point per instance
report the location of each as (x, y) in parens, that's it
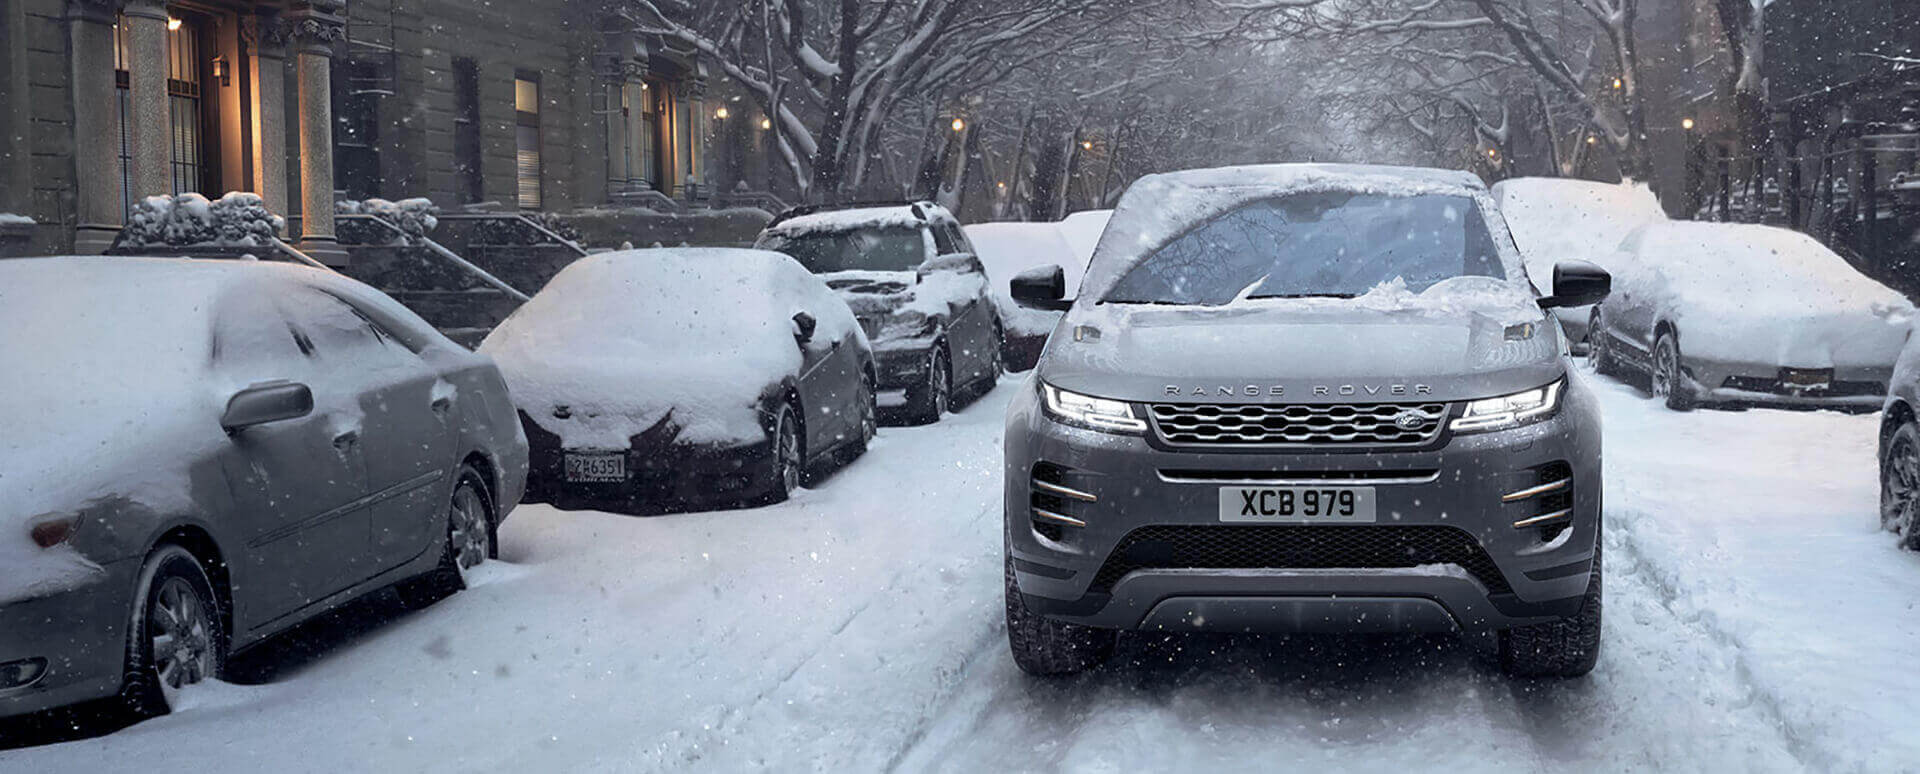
(1339, 424)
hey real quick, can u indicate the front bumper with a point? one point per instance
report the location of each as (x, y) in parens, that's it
(902, 364)
(673, 475)
(81, 633)
(1528, 574)
(1861, 388)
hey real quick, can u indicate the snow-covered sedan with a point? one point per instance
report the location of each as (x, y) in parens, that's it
(1749, 315)
(1563, 219)
(918, 289)
(197, 455)
(660, 378)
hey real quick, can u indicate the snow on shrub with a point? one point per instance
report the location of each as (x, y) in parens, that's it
(415, 217)
(507, 231)
(238, 219)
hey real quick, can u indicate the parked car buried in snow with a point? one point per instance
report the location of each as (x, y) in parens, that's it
(1900, 450)
(1749, 315)
(667, 377)
(1305, 397)
(201, 454)
(1563, 219)
(920, 293)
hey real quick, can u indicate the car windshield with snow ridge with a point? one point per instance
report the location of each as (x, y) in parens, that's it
(1305, 398)
(913, 280)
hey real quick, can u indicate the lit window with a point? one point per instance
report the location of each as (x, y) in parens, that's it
(526, 99)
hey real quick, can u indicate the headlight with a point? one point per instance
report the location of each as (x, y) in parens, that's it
(1508, 411)
(1087, 411)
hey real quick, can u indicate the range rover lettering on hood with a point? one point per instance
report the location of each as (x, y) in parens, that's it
(1280, 390)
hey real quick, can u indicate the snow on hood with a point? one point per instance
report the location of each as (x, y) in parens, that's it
(622, 339)
(847, 220)
(1761, 294)
(1467, 337)
(878, 293)
(1159, 208)
(1560, 219)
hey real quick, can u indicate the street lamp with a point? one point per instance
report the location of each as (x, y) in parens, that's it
(1592, 139)
(766, 123)
(1617, 84)
(721, 114)
(1687, 124)
(1086, 145)
(959, 124)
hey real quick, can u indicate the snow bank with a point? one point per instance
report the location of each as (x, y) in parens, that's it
(1006, 249)
(238, 219)
(623, 339)
(1559, 219)
(847, 220)
(1159, 208)
(1760, 294)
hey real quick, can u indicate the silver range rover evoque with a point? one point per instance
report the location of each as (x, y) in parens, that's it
(1305, 398)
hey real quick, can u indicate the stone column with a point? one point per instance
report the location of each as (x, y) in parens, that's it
(314, 26)
(616, 121)
(266, 39)
(698, 121)
(99, 195)
(149, 118)
(639, 143)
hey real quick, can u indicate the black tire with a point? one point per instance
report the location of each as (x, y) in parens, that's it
(789, 463)
(1558, 649)
(462, 549)
(1668, 378)
(175, 601)
(1599, 347)
(1047, 648)
(1900, 485)
(929, 401)
(869, 409)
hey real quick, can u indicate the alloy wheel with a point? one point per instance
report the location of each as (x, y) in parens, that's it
(1900, 487)
(940, 383)
(470, 536)
(1666, 367)
(788, 452)
(183, 643)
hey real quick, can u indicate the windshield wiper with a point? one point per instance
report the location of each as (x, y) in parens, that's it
(1306, 295)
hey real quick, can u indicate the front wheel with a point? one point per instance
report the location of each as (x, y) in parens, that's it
(1669, 379)
(933, 398)
(1566, 648)
(1900, 485)
(788, 463)
(1044, 647)
(179, 637)
(1599, 349)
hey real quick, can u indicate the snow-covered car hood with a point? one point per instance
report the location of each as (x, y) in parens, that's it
(872, 293)
(1389, 345)
(600, 401)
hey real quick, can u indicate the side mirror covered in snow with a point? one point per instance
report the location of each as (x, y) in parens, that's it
(264, 403)
(1577, 283)
(803, 327)
(1041, 288)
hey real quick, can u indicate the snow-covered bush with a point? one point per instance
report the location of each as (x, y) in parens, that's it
(238, 219)
(416, 217)
(504, 231)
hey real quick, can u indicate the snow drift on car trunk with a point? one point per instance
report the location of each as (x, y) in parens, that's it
(621, 339)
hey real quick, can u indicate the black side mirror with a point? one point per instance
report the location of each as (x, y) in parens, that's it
(1577, 283)
(264, 403)
(803, 327)
(1041, 288)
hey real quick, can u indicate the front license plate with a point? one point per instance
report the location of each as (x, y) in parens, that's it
(1806, 379)
(1297, 504)
(587, 467)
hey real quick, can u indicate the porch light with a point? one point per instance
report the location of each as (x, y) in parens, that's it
(766, 123)
(1687, 124)
(172, 24)
(721, 114)
(220, 71)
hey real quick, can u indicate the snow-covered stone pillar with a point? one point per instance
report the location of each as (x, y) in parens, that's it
(315, 25)
(266, 38)
(99, 196)
(148, 120)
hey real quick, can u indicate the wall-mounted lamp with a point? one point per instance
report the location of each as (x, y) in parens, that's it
(721, 114)
(172, 24)
(766, 123)
(221, 72)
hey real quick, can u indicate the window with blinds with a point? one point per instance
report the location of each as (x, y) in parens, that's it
(526, 140)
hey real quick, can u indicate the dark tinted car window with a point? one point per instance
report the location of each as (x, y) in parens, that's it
(1316, 244)
(943, 240)
(872, 249)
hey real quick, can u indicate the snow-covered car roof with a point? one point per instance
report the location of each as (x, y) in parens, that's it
(1159, 208)
(902, 215)
(1752, 266)
(622, 338)
(1561, 219)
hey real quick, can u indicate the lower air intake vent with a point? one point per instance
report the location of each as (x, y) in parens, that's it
(1297, 547)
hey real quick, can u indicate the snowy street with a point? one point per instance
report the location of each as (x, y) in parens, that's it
(1758, 620)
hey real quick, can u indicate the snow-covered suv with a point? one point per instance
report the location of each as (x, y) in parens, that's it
(1305, 397)
(913, 280)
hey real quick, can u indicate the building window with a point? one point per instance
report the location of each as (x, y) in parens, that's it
(526, 140)
(466, 130)
(184, 99)
(122, 96)
(356, 127)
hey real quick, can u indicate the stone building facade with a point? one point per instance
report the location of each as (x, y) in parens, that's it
(529, 105)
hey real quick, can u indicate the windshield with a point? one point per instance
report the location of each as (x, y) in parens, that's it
(868, 249)
(1322, 244)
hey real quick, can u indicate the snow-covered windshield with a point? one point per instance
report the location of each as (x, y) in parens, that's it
(1317, 244)
(891, 248)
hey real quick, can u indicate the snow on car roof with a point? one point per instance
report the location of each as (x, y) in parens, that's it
(901, 216)
(622, 338)
(1159, 208)
(1559, 219)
